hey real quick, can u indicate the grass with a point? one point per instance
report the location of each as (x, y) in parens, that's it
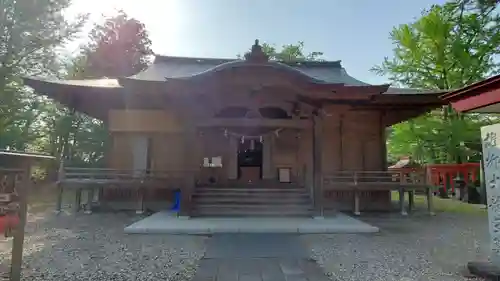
(445, 205)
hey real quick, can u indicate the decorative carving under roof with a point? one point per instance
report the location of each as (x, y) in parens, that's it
(256, 55)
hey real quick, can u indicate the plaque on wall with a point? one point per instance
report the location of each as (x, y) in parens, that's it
(284, 175)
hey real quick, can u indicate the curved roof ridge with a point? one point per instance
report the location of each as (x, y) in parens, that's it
(354, 81)
(201, 60)
(242, 63)
(162, 59)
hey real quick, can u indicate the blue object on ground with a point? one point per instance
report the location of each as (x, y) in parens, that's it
(177, 201)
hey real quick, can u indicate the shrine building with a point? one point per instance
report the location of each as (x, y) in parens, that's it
(250, 136)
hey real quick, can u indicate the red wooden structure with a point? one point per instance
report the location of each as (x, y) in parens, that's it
(483, 96)
(8, 222)
(437, 174)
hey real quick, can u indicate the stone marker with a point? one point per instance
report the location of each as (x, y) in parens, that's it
(490, 139)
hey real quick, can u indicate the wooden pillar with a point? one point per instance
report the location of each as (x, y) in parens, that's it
(190, 167)
(356, 203)
(430, 196)
(18, 241)
(232, 170)
(411, 200)
(317, 166)
(268, 171)
(60, 187)
(402, 201)
(383, 142)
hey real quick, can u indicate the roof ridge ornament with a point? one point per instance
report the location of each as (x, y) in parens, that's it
(256, 55)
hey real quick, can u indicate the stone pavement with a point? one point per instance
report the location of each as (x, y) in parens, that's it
(257, 257)
(168, 222)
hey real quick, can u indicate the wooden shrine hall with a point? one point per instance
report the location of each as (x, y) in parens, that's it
(241, 137)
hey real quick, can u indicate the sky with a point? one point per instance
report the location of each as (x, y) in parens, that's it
(353, 31)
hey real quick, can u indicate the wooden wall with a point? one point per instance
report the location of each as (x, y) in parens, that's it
(151, 121)
(354, 141)
(163, 129)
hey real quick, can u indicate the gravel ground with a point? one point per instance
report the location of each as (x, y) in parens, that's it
(94, 247)
(418, 247)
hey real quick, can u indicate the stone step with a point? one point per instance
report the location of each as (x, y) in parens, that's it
(218, 210)
(251, 190)
(275, 196)
(250, 199)
(253, 186)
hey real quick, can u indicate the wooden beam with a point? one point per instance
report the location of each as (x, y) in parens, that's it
(482, 100)
(255, 122)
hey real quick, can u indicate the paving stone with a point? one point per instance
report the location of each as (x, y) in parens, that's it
(227, 272)
(247, 266)
(250, 277)
(256, 246)
(257, 257)
(207, 270)
(271, 270)
(290, 267)
(296, 277)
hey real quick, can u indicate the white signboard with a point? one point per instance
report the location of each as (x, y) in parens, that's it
(490, 139)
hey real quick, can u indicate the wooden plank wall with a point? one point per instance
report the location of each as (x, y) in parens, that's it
(353, 141)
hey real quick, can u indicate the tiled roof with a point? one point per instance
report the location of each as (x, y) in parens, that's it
(165, 67)
(177, 67)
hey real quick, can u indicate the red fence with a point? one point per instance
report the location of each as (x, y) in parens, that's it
(438, 174)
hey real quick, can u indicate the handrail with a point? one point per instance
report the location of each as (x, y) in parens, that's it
(85, 174)
(374, 177)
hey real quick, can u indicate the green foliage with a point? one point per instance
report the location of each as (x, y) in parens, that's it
(448, 47)
(289, 52)
(118, 48)
(30, 33)
(33, 32)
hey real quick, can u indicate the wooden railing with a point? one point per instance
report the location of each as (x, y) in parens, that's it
(116, 176)
(135, 182)
(361, 181)
(365, 179)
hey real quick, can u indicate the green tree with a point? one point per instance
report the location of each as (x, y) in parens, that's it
(450, 46)
(289, 52)
(118, 47)
(30, 33)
